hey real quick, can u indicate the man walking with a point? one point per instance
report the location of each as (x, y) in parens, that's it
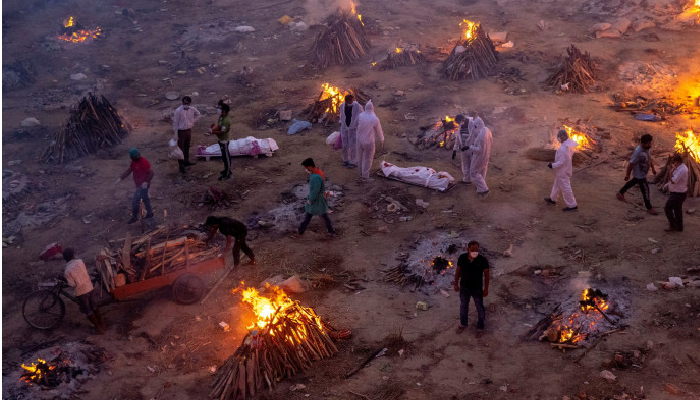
(231, 228)
(221, 130)
(349, 117)
(77, 277)
(639, 165)
(316, 202)
(183, 120)
(562, 167)
(143, 174)
(368, 129)
(678, 192)
(480, 154)
(472, 281)
(463, 139)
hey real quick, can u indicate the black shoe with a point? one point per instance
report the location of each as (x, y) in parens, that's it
(182, 169)
(149, 216)
(550, 201)
(132, 220)
(225, 177)
(187, 163)
(570, 208)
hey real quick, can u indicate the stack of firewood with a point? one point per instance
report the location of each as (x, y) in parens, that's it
(575, 74)
(327, 108)
(159, 252)
(664, 176)
(295, 337)
(93, 124)
(658, 106)
(402, 57)
(403, 276)
(475, 58)
(342, 41)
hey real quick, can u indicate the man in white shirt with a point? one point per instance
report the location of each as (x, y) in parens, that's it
(183, 120)
(77, 277)
(678, 191)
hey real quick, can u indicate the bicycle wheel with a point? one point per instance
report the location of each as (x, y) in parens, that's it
(43, 309)
(188, 288)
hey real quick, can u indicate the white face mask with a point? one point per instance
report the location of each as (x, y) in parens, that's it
(473, 254)
(186, 107)
(218, 110)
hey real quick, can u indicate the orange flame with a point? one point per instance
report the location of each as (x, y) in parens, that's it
(68, 22)
(578, 137)
(352, 10)
(469, 30)
(690, 142)
(398, 50)
(79, 35)
(335, 94)
(35, 371)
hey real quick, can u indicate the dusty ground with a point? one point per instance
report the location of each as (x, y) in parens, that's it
(606, 243)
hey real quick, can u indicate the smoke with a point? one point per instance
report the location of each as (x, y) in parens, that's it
(318, 10)
(578, 284)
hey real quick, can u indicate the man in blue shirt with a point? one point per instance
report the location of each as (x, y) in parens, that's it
(639, 165)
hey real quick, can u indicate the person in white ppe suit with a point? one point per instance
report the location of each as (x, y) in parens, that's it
(349, 116)
(368, 130)
(563, 169)
(463, 139)
(480, 151)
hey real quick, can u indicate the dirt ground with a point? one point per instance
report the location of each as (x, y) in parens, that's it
(608, 244)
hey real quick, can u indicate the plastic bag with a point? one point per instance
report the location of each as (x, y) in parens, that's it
(298, 126)
(332, 138)
(338, 143)
(175, 152)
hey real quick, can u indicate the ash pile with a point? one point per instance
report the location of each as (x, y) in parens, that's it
(55, 373)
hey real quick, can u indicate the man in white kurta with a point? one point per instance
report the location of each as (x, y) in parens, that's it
(562, 167)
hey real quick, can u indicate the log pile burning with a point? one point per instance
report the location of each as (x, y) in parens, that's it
(93, 124)
(327, 107)
(439, 135)
(342, 40)
(159, 252)
(402, 57)
(49, 375)
(473, 57)
(660, 107)
(429, 267)
(284, 339)
(74, 33)
(575, 74)
(688, 146)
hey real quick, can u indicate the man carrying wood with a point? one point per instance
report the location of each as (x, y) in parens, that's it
(472, 281)
(183, 120)
(77, 277)
(639, 168)
(678, 192)
(143, 174)
(231, 228)
(349, 117)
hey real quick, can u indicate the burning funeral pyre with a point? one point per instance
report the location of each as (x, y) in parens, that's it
(327, 107)
(688, 146)
(284, 339)
(342, 40)
(583, 135)
(438, 135)
(690, 14)
(575, 74)
(584, 320)
(473, 57)
(402, 57)
(74, 33)
(93, 124)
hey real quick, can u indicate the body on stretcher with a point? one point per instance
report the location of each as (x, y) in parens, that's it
(420, 176)
(249, 146)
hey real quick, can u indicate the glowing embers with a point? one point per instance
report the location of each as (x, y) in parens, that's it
(74, 33)
(49, 374)
(438, 135)
(688, 142)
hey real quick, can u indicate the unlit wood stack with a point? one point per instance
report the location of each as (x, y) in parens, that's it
(286, 347)
(342, 41)
(664, 176)
(402, 58)
(578, 71)
(479, 58)
(93, 124)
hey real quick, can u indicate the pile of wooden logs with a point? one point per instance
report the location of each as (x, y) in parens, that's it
(440, 135)
(691, 161)
(658, 106)
(93, 124)
(402, 57)
(403, 276)
(473, 59)
(575, 74)
(327, 108)
(287, 346)
(159, 252)
(342, 41)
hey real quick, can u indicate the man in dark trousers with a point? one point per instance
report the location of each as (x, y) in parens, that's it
(78, 278)
(316, 203)
(143, 174)
(183, 120)
(231, 228)
(678, 192)
(472, 281)
(639, 165)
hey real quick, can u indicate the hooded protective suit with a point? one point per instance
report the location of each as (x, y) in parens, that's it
(480, 152)
(368, 129)
(348, 132)
(563, 169)
(465, 137)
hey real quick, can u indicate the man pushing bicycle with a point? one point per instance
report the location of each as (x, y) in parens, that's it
(77, 277)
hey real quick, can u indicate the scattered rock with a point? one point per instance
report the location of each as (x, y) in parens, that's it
(509, 252)
(421, 203)
(655, 250)
(671, 388)
(31, 121)
(298, 386)
(172, 95)
(690, 211)
(639, 25)
(544, 25)
(608, 376)
(677, 281)
(399, 93)
(383, 229)
(78, 77)
(652, 287)
(650, 345)
(244, 28)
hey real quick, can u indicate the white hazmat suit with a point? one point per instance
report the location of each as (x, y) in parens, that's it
(348, 132)
(563, 169)
(480, 152)
(462, 139)
(368, 129)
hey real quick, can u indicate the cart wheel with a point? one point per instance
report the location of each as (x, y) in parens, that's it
(188, 288)
(43, 309)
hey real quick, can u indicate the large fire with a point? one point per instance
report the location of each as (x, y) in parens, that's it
(352, 10)
(335, 94)
(579, 325)
(74, 35)
(468, 30)
(690, 142)
(691, 11)
(34, 373)
(578, 137)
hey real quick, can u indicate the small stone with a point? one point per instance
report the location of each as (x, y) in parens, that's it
(639, 25)
(244, 28)
(650, 345)
(383, 229)
(608, 33)
(172, 95)
(31, 121)
(690, 211)
(399, 93)
(78, 77)
(655, 250)
(608, 376)
(619, 358)
(599, 27)
(671, 388)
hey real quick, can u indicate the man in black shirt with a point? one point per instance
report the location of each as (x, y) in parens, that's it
(472, 281)
(232, 229)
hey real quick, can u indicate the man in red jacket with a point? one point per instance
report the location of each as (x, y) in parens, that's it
(143, 174)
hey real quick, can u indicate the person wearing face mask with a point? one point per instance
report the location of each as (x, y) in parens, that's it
(316, 203)
(183, 120)
(480, 150)
(222, 132)
(563, 169)
(472, 281)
